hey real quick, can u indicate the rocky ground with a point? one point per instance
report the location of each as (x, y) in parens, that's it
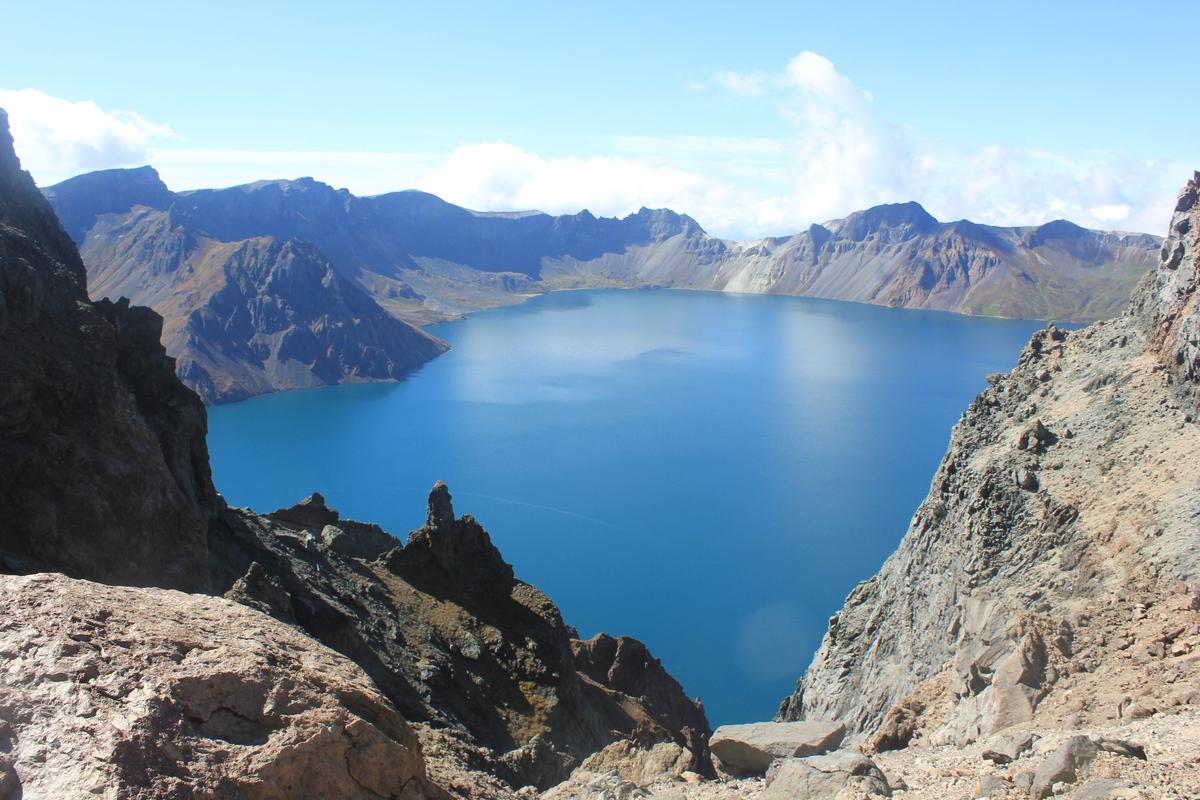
(1143, 759)
(119, 693)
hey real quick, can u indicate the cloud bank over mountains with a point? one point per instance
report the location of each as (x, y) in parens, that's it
(841, 155)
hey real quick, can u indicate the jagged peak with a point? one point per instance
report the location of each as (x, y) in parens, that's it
(440, 511)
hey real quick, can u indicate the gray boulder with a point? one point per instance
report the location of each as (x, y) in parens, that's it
(1063, 765)
(1007, 748)
(844, 773)
(749, 749)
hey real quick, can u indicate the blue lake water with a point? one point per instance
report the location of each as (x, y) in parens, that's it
(709, 473)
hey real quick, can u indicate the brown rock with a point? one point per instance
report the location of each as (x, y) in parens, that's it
(154, 693)
(750, 749)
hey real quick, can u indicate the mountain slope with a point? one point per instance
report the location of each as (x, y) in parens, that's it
(427, 260)
(1049, 576)
(243, 317)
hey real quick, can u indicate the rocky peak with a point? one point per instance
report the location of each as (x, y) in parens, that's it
(454, 555)
(905, 219)
(85, 197)
(1059, 229)
(440, 513)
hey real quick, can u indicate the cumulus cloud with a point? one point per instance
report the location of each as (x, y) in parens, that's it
(843, 155)
(57, 138)
(839, 155)
(499, 175)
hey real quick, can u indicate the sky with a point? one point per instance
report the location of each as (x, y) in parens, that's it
(755, 118)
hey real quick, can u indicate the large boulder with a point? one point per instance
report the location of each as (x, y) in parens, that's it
(749, 749)
(151, 693)
(842, 774)
(1064, 765)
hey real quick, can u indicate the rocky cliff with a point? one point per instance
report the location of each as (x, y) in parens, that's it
(105, 476)
(1050, 576)
(104, 473)
(427, 260)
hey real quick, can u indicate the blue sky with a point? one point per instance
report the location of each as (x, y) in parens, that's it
(756, 118)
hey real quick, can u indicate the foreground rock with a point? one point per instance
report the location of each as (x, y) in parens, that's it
(750, 749)
(842, 774)
(1050, 576)
(117, 692)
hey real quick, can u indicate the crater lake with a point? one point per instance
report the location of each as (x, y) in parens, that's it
(709, 473)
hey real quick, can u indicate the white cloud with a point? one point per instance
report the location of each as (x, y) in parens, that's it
(839, 155)
(499, 176)
(57, 138)
(749, 84)
(843, 156)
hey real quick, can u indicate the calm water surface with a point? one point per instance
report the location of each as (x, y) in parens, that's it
(709, 473)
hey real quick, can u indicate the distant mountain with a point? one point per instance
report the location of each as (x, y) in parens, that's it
(425, 260)
(243, 316)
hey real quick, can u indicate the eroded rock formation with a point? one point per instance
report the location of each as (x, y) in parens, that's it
(453, 639)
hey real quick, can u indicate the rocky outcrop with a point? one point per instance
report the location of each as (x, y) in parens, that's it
(148, 693)
(104, 473)
(750, 749)
(1055, 557)
(426, 260)
(1167, 303)
(454, 640)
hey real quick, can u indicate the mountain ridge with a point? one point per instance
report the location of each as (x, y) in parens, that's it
(421, 259)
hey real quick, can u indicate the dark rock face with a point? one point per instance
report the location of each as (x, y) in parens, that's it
(104, 473)
(453, 639)
(1070, 485)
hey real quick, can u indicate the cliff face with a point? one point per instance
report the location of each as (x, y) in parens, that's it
(426, 260)
(104, 473)
(1046, 576)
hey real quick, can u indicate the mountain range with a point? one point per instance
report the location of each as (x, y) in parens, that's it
(292, 283)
